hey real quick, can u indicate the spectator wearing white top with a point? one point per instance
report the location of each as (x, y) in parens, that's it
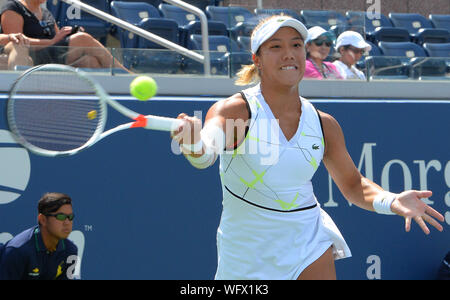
(351, 46)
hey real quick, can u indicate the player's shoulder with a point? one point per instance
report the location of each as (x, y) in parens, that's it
(233, 107)
(328, 121)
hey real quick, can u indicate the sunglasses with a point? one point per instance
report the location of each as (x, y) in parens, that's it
(356, 50)
(321, 42)
(62, 217)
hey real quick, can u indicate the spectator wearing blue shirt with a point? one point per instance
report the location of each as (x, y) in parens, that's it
(42, 251)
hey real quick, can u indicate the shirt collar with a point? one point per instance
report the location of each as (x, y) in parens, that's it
(39, 243)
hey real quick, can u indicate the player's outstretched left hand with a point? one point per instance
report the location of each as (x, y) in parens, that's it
(409, 205)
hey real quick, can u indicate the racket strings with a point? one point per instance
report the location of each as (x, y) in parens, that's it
(55, 111)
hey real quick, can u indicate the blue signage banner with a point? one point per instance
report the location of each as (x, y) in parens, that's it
(142, 212)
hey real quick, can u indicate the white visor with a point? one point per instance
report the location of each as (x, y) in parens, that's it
(268, 29)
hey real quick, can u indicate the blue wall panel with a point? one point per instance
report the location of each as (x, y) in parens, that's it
(143, 212)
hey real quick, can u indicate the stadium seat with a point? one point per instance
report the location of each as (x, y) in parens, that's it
(244, 43)
(440, 21)
(239, 20)
(176, 13)
(160, 59)
(406, 49)
(430, 68)
(435, 35)
(360, 19)
(323, 18)
(437, 50)
(92, 25)
(381, 67)
(230, 15)
(390, 34)
(134, 13)
(202, 4)
(264, 12)
(226, 56)
(409, 21)
(195, 27)
(189, 23)
(154, 3)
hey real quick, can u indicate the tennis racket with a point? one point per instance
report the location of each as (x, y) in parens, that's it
(56, 110)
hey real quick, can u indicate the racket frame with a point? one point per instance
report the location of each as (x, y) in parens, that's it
(140, 121)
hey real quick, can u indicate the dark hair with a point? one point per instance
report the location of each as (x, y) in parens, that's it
(51, 202)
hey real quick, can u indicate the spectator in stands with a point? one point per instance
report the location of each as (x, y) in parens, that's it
(15, 51)
(37, 23)
(318, 47)
(351, 46)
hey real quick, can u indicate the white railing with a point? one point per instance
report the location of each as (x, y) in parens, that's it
(205, 59)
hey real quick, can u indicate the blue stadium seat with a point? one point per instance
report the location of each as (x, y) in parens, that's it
(435, 35)
(161, 59)
(381, 67)
(202, 4)
(195, 27)
(239, 20)
(437, 50)
(154, 3)
(375, 51)
(244, 43)
(361, 19)
(405, 49)
(189, 23)
(134, 13)
(430, 68)
(440, 21)
(390, 34)
(176, 13)
(323, 18)
(92, 25)
(264, 12)
(226, 56)
(409, 21)
(230, 15)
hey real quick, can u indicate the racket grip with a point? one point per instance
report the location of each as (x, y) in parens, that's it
(162, 123)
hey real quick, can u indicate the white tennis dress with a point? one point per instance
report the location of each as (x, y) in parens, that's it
(272, 226)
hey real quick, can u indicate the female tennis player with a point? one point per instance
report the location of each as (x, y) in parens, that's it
(273, 140)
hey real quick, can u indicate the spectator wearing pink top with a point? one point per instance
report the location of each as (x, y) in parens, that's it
(318, 46)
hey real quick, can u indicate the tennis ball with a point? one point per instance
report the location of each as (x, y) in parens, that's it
(143, 88)
(92, 114)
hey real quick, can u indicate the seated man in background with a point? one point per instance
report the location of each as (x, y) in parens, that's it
(14, 50)
(78, 49)
(351, 47)
(42, 251)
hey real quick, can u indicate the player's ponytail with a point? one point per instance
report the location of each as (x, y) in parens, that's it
(247, 75)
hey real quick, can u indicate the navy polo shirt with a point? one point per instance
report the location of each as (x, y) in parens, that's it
(25, 257)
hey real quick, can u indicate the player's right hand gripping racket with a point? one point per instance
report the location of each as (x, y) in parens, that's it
(56, 110)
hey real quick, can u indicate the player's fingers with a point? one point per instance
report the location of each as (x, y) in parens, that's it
(432, 222)
(407, 224)
(423, 226)
(434, 213)
(424, 194)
